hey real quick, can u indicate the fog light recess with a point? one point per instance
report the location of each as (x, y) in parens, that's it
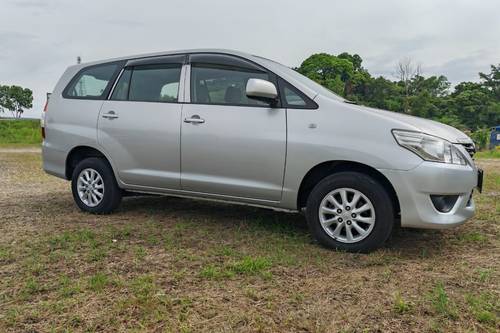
(444, 203)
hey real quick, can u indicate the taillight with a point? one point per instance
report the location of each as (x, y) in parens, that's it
(42, 118)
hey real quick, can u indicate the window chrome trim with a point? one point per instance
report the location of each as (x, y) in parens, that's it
(114, 84)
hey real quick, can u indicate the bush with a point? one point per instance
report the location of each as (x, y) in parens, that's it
(20, 132)
(480, 138)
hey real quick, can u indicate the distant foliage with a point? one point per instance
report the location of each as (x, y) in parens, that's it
(481, 137)
(469, 106)
(22, 131)
(15, 99)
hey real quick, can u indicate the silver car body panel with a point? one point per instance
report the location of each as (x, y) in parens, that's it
(253, 155)
(224, 156)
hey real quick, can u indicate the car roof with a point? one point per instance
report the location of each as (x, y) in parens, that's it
(307, 86)
(164, 53)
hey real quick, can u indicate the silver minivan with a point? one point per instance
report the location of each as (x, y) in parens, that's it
(225, 125)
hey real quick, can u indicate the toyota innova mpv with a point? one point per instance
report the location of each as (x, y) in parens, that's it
(225, 125)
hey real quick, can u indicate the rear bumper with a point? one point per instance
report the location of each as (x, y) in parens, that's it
(414, 187)
(54, 161)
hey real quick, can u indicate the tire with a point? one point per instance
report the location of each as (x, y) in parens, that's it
(374, 204)
(107, 195)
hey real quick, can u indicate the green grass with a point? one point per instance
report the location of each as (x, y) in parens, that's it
(20, 132)
(98, 282)
(442, 303)
(495, 153)
(484, 307)
(401, 306)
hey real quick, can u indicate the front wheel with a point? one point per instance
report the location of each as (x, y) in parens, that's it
(94, 186)
(350, 211)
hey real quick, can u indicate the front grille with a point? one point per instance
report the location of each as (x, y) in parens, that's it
(471, 149)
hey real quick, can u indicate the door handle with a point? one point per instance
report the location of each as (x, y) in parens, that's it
(110, 115)
(194, 120)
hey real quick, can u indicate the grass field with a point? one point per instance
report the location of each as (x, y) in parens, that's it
(20, 132)
(489, 154)
(177, 265)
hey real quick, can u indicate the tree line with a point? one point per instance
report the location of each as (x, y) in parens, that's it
(469, 106)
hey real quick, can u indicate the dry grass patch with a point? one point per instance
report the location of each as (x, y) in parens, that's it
(167, 264)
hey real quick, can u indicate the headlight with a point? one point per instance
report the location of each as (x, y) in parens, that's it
(429, 148)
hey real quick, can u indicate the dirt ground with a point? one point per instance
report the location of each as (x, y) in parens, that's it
(176, 265)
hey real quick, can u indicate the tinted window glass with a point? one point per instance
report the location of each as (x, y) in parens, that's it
(155, 83)
(223, 85)
(92, 83)
(293, 98)
(120, 92)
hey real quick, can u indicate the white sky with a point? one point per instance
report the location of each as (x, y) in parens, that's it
(40, 38)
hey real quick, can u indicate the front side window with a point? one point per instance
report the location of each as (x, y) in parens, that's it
(155, 83)
(92, 83)
(212, 84)
(294, 98)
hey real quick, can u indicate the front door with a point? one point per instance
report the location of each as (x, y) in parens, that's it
(231, 145)
(139, 127)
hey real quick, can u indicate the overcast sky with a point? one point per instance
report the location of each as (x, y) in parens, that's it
(40, 38)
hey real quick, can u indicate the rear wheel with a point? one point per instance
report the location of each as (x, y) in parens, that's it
(350, 211)
(94, 186)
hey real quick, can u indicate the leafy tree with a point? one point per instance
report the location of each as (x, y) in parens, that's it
(15, 99)
(354, 59)
(492, 81)
(468, 106)
(328, 70)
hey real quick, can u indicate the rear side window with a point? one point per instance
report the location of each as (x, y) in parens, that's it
(92, 82)
(155, 83)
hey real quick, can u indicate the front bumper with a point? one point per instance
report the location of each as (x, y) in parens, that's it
(414, 188)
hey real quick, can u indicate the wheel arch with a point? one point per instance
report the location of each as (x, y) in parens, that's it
(78, 154)
(324, 169)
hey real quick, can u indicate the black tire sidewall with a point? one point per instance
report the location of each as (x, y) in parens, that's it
(384, 214)
(112, 193)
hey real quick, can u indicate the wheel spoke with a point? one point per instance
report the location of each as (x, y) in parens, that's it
(368, 220)
(348, 233)
(361, 209)
(89, 199)
(355, 199)
(334, 201)
(329, 222)
(328, 211)
(337, 230)
(97, 193)
(343, 196)
(360, 230)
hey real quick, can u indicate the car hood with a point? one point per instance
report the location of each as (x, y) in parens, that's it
(424, 125)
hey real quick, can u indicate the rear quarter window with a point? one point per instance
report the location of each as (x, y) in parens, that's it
(92, 82)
